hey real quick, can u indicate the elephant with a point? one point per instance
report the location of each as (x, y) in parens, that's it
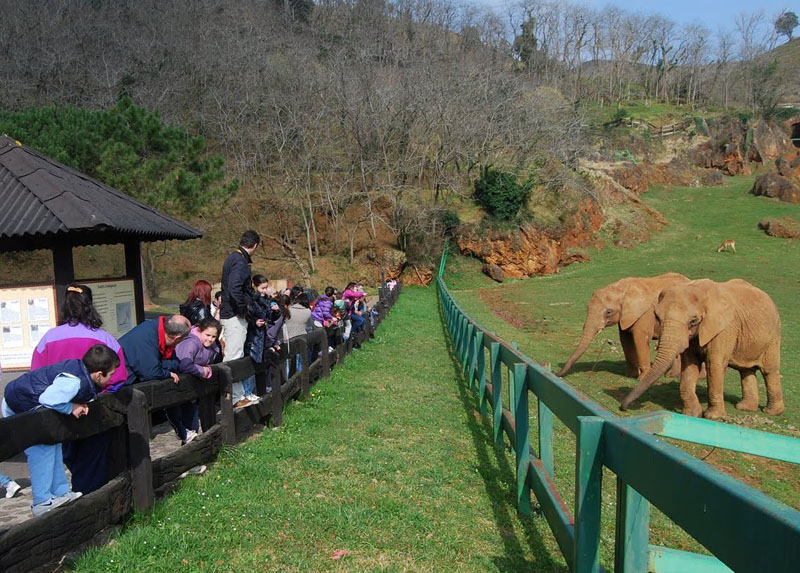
(731, 324)
(628, 303)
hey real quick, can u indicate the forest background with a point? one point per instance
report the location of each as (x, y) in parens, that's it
(350, 134)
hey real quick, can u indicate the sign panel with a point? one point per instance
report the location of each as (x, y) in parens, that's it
(26, 313)
(115, 302)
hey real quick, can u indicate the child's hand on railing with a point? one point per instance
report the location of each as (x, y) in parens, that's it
(79, 410)
(175, 377)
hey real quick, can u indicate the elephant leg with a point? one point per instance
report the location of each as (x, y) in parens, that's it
(689, 371)
(749, 401)
(772, 377)
(632, 366)
(716, 384)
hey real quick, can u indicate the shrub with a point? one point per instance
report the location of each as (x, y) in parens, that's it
(499, 193)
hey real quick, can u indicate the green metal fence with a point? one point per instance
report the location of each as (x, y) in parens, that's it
(744, 528)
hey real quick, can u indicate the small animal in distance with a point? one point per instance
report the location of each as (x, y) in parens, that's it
(727, 243)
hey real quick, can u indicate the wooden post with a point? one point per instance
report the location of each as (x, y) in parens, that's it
(276, 377)
(63, 271)
(631, 551)
(305, 380)
(140, 462)
(133, 269)
(497, 394)
(545, 419)
(588, 494)
(523, 435)
(226, 406)
(326, 359)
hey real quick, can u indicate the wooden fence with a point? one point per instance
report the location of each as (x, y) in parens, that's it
(126, 416)
(744, 528)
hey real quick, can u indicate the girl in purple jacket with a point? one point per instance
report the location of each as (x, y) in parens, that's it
(195, 354)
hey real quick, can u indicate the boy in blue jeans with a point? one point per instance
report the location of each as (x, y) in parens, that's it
(67, 387)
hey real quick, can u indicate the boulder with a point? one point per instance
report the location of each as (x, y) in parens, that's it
(782, 227)
(493, 272)
(773, 184)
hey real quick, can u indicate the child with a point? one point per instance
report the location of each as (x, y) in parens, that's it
(195, 353)
(256, 333)
(215, 304)
(322, 307)
(67, 387)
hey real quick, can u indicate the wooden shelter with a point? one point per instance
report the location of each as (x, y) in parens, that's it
(47, 205)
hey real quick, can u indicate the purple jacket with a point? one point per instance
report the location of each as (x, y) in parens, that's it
(192, 355)
(68, 342)
(322, 310)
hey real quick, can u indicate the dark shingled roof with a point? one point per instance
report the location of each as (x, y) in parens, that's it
(44, 203)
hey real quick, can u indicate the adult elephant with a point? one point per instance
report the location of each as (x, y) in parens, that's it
(628, 303)
(731, 324)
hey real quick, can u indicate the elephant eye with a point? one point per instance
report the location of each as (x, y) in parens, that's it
(609, 311)
(694, 322)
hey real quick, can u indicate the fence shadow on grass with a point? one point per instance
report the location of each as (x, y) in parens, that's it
(499, 481)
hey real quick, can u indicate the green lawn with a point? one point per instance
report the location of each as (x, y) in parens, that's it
(544, 315)
(389, 461)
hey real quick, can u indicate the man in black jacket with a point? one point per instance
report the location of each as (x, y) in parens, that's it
(236, 292)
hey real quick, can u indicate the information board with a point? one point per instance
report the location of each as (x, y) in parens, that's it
(115, 302)
(26, 313)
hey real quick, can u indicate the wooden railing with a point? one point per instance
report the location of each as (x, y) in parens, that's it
(126, 416)
(744, 528)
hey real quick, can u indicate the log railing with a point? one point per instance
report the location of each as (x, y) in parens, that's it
(126, 416)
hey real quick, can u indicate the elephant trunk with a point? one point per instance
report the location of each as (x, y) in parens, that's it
(590, 330)
(668, 349)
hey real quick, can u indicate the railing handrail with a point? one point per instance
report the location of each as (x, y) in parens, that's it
(137, 475)
(743, 517)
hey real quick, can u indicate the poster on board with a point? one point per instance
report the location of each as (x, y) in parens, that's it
(115, 301)
(26, 313)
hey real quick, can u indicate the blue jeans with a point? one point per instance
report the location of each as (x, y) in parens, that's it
(183, 418)
(358, 322)
(46, 465)
(249, 385)
(48, 478)
(5, 480)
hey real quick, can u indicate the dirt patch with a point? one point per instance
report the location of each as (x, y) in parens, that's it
(495, 300)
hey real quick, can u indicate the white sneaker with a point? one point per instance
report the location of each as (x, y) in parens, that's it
(12, 488)
(253, 398)
(51, 503)
(190, 435)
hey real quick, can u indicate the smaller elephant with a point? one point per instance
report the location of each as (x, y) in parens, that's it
(628, 303)
(731, 324)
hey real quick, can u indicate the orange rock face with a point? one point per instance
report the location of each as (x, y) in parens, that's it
(529, 251)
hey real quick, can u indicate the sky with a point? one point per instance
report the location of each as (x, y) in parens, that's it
(714, 14)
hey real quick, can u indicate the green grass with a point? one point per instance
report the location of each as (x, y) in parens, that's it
(389, 460)
(656, 112)
(549, 313)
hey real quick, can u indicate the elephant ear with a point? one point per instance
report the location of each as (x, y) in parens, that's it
(718, 310)
(637, 301)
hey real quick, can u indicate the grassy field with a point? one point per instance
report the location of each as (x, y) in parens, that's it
(388, 461)
(544, 315)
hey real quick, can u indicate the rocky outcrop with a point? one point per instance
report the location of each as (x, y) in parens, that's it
(782, 227)
(733, 145)
(391, 262)
(638, 178)
(783, 181)
(527, 250)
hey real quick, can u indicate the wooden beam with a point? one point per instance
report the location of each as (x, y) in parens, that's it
(63, 271)
(133, 269)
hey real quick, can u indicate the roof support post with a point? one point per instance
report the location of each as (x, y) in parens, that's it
(63, 271)
(133, 269)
